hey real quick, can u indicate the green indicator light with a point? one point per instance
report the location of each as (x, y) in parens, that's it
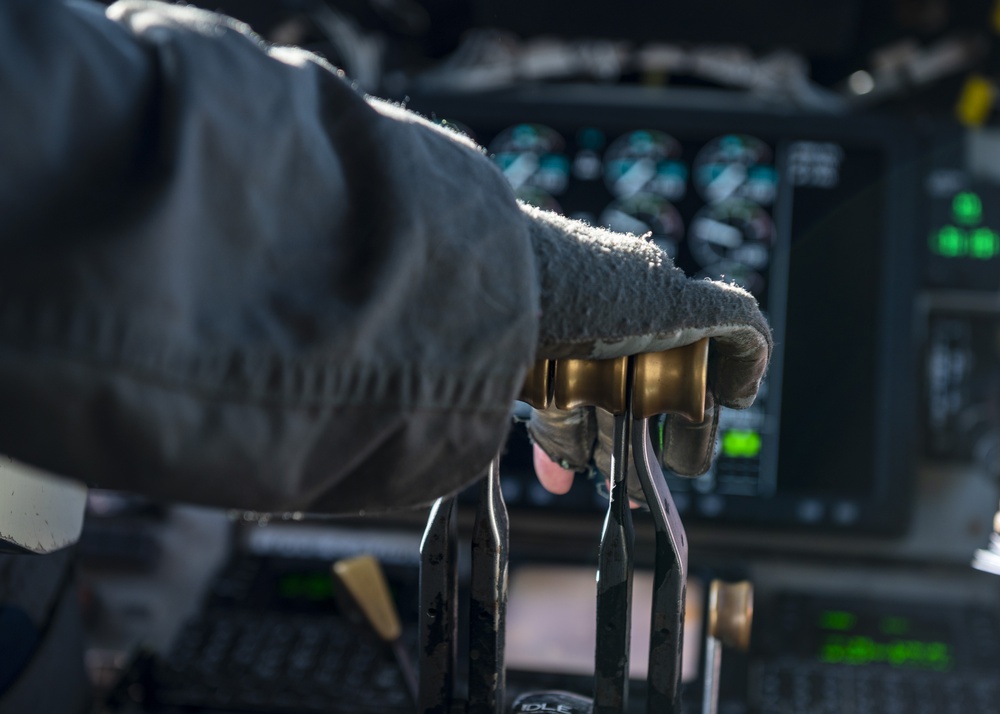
(894, 625)
(967, 208)
(984, 244)
(316, 587)
(903, 652)
(319, 587)
(949, 242)
(938, 655)
(833, 651)
(740, 444)
(861, 650)
(837, 620)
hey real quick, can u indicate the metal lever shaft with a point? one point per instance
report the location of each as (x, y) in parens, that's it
(488, 597)
(666, 637)
(614, 585)
(634, 389)
(438, 614)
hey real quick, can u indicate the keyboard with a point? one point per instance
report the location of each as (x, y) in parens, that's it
(253, 661)
(794, 686)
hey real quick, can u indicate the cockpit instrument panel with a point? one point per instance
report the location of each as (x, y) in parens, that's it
(805, 212)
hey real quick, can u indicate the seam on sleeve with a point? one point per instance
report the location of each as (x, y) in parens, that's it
(245, 375)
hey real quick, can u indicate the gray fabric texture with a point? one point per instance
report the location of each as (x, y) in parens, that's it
(604, 294)
(227, 278)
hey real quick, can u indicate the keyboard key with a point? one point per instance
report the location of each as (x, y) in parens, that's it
(247, 661)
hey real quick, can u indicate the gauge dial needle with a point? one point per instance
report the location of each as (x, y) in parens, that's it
(521, 169)
(726, 183)
(624, 223)
(718, 233)
(635, 177)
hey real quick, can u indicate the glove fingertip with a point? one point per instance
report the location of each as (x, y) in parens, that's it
(688, 447)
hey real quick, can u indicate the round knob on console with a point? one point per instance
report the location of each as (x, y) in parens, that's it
(730, 613)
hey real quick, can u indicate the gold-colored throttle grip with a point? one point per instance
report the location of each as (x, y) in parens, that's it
(672, 382)
(668, 382)
(591, 383)
(537, 387)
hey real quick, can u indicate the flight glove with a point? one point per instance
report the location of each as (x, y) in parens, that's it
(607, 295)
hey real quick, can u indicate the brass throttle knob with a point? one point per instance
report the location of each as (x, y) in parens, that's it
(730, 613)
(668, 382)
(730, 616)
(591, 383)
(537, 387)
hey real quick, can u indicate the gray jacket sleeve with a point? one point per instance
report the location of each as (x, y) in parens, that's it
(227, 278)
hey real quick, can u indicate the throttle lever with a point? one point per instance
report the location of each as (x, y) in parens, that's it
(666, 635)
(632, 389)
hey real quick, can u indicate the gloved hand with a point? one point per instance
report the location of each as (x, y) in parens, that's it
(607, 295)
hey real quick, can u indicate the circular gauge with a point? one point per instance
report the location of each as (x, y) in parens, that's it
(646, 213)
(532, 155)
(648, 162)
(736, 166)
(734, 239)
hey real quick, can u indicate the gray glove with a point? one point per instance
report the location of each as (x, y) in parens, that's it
(606, 295)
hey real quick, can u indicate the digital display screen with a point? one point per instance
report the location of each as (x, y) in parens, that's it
(852, 632)
(858, 639)
(802, 212)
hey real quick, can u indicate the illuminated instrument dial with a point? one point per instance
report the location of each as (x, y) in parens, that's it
(645, 213)
(647, 162)
(733, 239)
(736, 166)
(532, 156)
